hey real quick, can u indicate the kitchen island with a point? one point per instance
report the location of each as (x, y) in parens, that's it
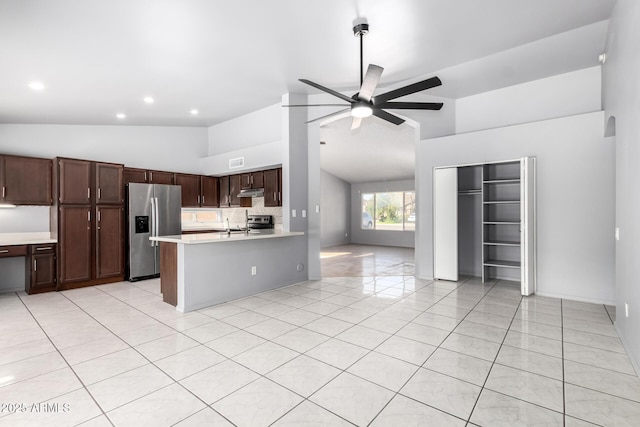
(200, 270)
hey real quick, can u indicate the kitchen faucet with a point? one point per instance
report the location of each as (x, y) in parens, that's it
(228, 227)
(246, 221)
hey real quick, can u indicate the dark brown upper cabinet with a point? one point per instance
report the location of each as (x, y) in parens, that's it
(273, 187)
(108, 183)
(252, 180)
(160, 177)
(224, 191)
(74, 181)
(209, 188)
(190, 189)
(132, 175)
(25, 180)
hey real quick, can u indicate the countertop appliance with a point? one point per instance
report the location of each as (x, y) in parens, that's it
(152, 210)
(260, 222)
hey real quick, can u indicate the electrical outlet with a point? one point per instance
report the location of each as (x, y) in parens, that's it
(293, 213)
(317, 208)
(626, 310)
(254, 270)
(304, 213)
(617, 233)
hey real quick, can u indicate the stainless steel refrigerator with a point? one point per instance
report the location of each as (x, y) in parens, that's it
(152, 210)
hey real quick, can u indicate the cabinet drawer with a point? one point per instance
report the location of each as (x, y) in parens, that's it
(44, 248)
(14, 250)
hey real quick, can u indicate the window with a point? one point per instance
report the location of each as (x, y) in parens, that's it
(394, 211)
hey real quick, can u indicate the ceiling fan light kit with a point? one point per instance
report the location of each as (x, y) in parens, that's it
(363, 104)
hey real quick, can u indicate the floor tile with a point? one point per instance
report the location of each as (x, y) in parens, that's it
(274, 309)
(303, 375)
(32, 367)
(310, 414)
(218, 381)
(471, 346)
(406, 349)
(424, 334)
(460, 366)
(352, 398)
(269, 329)
(266, 357)
(538, 329)
(245, 319)
(110, 365)
(299, 317)
(534, 343)
(599, 358)
(364, 337)
(384, 324)
(209, 331)
(258, 404)
(489, 319)
(206, 417)
(602, 342)
(402, 411)
(146, 334)
(600, 408)
(484, 332)
(222, 310)
(26, 350)
(128, 386)
(603, 380)
(235, 343)
(91, 350)
(337, 353)
(188, 362)
(351, 315)
(499, 410)
(163, 347)
(442, 392)
(328, 326)
(383, 370)
(530, 361)
(158, 408)
(41, 388)
(591, 327)
(300, 340)
(526, 386)
(436, 321)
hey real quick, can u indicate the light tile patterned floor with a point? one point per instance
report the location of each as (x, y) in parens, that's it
(379, 351)
(367, 260)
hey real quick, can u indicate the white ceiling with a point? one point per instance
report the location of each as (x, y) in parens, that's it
(228, 58)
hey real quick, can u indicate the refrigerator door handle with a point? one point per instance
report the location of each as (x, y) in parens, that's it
(157, 221)
(153, 220)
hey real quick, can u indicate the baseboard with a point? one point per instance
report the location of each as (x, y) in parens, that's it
(632, 359)
(575, 298)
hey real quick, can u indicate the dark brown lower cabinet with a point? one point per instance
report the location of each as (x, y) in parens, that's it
(109, 241)
(74, 244)
(41, 268)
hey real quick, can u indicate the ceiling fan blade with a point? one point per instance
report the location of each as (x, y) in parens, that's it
(355, 122)
(407, 90)
(371, 80)
(411, 105)
(387, 116)
(315, 105)
(328, 115)
(327, 90)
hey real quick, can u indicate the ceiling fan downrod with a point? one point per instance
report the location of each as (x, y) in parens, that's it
(359, 30)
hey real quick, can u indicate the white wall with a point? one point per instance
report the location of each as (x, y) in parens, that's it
(575, 198)
(558, 96)
(621, 83)
(256, 128)
(405, 239)
(258, 157)
(335, 202)
(175, 149)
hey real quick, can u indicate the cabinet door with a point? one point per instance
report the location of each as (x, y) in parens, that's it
(224, 191)
(159, 177)
(109, 241)
(74, 244)
(245, 181)
(43, 271)
(234, 190)
(27, 180)
(257, 179)
(190, 189)
(109, 183)
(209, 192)
(271, 188)
(445, 224)
(74, 180)
(130, 175)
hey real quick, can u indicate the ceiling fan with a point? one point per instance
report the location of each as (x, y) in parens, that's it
(364, 104)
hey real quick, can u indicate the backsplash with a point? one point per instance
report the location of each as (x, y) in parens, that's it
(218, 217)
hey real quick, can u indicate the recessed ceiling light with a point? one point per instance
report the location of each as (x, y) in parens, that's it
(36, 86)
(148, 100)
(194, 112)
(121, 116)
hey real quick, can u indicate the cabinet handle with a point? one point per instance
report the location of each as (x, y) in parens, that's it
(44, 249)
(275, 199)
(198, 199)
(4, 251)
(99, 216)
(99, 193)
(145, 176)
(203, 200)
(4, 191)
(251, 179)
(88, 193)
(279, 196)
(150, 176)
(88, 216)
(35, 265)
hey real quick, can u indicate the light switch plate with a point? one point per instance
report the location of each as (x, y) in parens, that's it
(617, 233)
(304, 213)
(293, 213)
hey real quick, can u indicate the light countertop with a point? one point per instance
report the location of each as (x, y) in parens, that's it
(197, 239)
(9, 239)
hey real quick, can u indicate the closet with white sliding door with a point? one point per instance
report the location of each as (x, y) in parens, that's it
(484, 222)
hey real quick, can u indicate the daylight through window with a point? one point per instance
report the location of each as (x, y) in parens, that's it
(395, 211)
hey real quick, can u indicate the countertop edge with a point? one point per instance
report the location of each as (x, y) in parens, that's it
(190, 239)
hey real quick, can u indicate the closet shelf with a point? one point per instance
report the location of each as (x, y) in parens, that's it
(502, 202)
(469, 192)
(501, 263)
(502, 181)
(502, 222)
(500, 243)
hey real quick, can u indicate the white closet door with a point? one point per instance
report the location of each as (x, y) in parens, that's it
(445, 224)
(528, 225)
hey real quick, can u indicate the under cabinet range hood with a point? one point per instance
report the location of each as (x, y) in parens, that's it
(253, 192)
